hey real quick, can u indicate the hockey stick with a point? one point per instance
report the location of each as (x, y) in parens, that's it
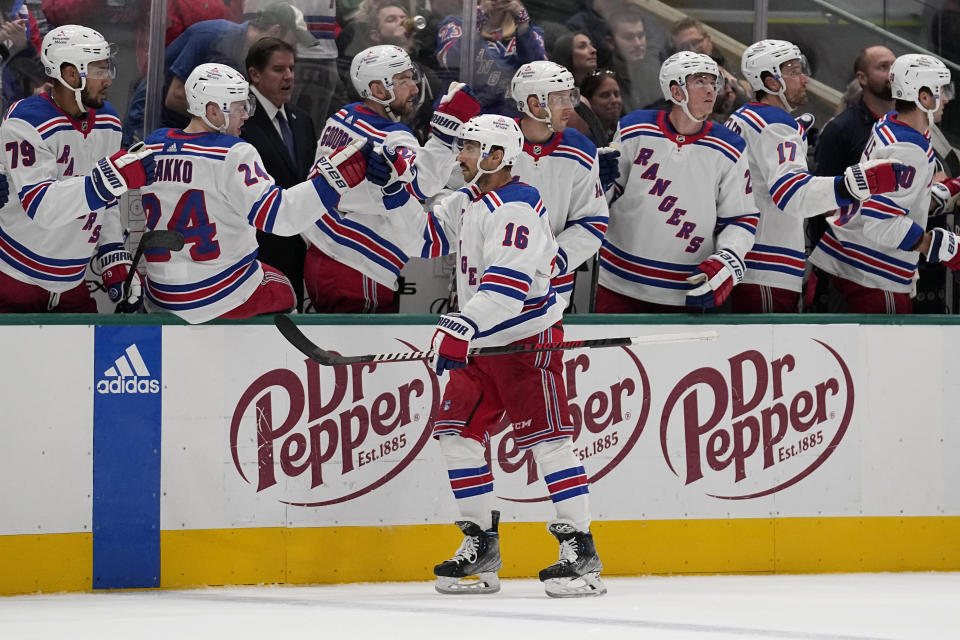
(297, 338)
(159, 239)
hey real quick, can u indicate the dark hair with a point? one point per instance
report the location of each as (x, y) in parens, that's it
(628, 14)
(909, 106)
(562, 52)
(904, 106)
(259, 54)
(860, 62)
(687, 23)
(592, 82)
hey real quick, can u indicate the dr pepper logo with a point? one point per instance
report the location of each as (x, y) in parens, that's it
(609, 400)
(754, 426)
(324, 435)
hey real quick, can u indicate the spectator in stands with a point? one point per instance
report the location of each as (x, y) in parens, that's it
(23, 73)
(689, 34)
(389, 23)
(286, 140)
(211, 41)
(577, 53)
(598, 112)
(180, 15)
(637, 70)
(508, 40)
(593, 19)
(840, 145)
(35, 7)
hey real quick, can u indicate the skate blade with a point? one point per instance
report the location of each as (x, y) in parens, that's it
(481, 583)
(584, 586)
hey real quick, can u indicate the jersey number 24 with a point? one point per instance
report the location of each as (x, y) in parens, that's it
(189, 218)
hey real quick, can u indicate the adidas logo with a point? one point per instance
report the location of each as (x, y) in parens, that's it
(129, 374)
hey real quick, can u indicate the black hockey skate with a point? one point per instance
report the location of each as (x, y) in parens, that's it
(473, 569)
(577, 572)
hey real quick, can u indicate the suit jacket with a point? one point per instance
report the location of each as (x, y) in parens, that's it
(286, 254)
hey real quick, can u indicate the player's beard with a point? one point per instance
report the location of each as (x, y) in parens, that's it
(468, 176)
(404, 109)
(90, 101)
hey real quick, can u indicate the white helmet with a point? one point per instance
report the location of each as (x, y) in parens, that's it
(541, 78)
(766, 57)
(378, 64)
(678, 67)
(911, 72)
(219, 84)
(491, 130)
(76, 45)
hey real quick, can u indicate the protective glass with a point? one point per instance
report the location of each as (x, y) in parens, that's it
(248, 106)
(468, 148)
(947, 91)
(704, 81)
(566, 99)
(795, 68)
(102, 72)
(406, 80)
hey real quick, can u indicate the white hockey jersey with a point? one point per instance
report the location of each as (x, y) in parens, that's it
(784, 191)
(361, 233)
(678, 199)
(505, 252)
(565, 171)
(870, 243)
(54, 219)
(212, 188)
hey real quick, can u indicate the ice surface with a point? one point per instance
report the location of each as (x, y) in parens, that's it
(914, 606)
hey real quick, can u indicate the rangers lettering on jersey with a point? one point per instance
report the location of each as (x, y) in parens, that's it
(48, 158)
(678, 200)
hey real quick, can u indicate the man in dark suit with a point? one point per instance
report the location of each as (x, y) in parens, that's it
(286, 140)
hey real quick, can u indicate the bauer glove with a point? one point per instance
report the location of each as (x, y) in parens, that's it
(943, 196)
(715, 278)
(944, 248)
(345, 168)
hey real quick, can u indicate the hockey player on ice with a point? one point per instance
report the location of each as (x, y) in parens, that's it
(212, 188)
(61, 153)
(563, 165)
(783, 188)
(500, 230)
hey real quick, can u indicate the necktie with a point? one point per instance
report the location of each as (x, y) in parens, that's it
(287, 134)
